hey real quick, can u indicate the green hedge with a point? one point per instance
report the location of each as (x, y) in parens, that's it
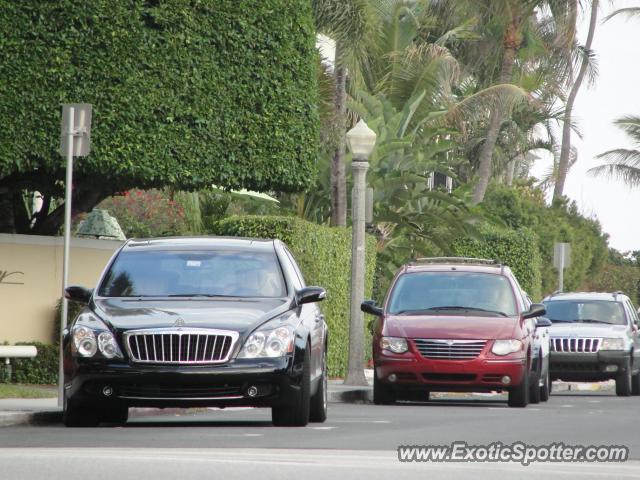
(42, 370)
(516, 248)
(324, 256)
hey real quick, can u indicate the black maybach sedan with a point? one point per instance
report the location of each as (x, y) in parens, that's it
(190, 322)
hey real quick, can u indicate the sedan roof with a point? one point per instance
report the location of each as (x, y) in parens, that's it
(201, 243)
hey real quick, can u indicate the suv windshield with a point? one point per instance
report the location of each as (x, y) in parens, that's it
(194, 273)
(453, 292)
(587, 311)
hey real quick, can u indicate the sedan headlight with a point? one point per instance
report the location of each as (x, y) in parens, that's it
(272, 340)
(613, 344)
(88, 341)
(505, 347)
(394, 344)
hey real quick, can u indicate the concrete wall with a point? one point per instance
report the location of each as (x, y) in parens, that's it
(31, 280)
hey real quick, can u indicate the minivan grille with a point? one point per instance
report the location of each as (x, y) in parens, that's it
(449, 349)
(186, 346)
(575, 345)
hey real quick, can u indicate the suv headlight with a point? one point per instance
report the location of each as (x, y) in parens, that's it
(394, 344)
(505, 347)
(87, 341)
(613, 344)
(272, 340)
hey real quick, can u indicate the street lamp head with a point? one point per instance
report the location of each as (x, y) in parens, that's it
(361, 140)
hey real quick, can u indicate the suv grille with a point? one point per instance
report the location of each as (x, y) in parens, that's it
(449, 349)
(186, 346)
(575, 345)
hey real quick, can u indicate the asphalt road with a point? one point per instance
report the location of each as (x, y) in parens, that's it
(358, 441)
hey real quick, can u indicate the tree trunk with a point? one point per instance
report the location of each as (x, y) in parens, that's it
(7, 217)
(511, 44)
(51, 223)
(565, 149)
(511, 172)
(338, 171)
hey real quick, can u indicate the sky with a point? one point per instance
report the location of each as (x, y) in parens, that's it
(615, 94)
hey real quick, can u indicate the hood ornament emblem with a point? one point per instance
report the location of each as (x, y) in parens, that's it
(450, 343)
(179, 323)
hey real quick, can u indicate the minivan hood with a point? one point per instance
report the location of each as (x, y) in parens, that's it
(450, 327)
(590, 330)
(240, 315)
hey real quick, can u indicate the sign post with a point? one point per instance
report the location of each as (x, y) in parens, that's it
(561, 260)
(75, 141)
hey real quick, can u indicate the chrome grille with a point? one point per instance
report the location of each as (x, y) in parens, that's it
(575, 345)
(449, 349)
(180, 346)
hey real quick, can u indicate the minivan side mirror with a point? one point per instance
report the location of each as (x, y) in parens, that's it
(535, 310)
(78, 294)
(369, 306)
(310, 295)
(543, 322)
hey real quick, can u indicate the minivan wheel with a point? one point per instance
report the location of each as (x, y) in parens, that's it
(623, 380)
(296, 414)
(519, 396)
(534, 387)
(382, 394)
(635, 384)
(318, 410)
(545, 390)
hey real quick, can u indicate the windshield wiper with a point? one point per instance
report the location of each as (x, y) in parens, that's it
(591, 320)
(456, 307)
(207, 295)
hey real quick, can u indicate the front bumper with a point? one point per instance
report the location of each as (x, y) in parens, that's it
(476, 375)
(109, 383)
(587, 367)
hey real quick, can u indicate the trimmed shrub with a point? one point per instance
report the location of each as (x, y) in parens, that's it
(324, 256)
(516, 248)
(42, 370)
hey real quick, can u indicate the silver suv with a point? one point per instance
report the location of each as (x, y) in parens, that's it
(594, 337)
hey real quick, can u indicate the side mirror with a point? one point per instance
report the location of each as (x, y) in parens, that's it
(543, 322)
(369, 306)
(310, 295)
(78, 294)
(536, 310)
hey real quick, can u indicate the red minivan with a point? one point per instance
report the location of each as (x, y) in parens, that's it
(455, 324)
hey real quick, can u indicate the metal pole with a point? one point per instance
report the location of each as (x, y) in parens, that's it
(67, 238)
(561, 274)
(355, 372)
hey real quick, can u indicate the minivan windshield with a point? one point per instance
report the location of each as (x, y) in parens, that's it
(585, 311)
(459, 293)
(153, 273)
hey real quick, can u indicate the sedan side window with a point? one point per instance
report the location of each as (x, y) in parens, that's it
(296, 269)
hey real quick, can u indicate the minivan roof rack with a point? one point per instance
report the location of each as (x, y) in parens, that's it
(477, 261)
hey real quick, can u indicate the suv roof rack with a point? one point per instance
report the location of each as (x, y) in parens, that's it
(477, 261)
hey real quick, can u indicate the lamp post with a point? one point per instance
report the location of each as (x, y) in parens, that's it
(361, 140)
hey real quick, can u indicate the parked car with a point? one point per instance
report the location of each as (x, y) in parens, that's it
(185, 322)
(457, 324)
(594, 337)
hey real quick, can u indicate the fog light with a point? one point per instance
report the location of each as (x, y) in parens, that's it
(611, 368)
(393, 377)
(107, 391)
(506, 380)
(252, 391)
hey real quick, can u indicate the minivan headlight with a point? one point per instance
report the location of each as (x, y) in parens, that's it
(274, 339)
(394, 344)
(505, 347)
(613, 344)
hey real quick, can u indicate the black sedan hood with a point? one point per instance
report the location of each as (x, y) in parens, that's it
(239, 314)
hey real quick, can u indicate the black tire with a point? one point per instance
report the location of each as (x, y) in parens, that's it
(415, 396)
(117, 415)
(635, 384)
(534, 387)
(624, 380)
(318, 409)
(545, 390)
(296, 414)
(77, 415)
(382, 394)
(519, 396)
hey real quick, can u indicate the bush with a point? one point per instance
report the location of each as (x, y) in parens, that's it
(324, 256)
(613, 278)
(43, 369)
(516, 248)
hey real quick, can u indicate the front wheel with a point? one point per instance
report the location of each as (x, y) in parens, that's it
(545, 390)
(296, 414)
(623, 380)
(79, 415)
(382, 394)
(318, 409)
(117, 415)
(519, 396)
(635, 384)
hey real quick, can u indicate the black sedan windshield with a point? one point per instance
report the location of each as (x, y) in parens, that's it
(587, 311)
(452, 292)
(161, 273)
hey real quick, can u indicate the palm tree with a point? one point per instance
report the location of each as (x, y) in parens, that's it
(623, 163)
(586, 65)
